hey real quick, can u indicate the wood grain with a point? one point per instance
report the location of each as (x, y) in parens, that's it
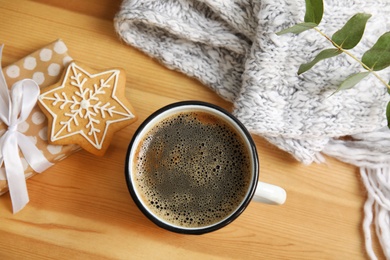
(81, 209)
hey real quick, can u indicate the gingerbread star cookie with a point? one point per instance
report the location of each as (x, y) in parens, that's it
(86, 107)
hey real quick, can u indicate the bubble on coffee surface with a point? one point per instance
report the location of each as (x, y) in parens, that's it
(193, 170)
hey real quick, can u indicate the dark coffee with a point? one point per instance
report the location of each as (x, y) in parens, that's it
(193, 169)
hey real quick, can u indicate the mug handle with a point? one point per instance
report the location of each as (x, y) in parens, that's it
(269, 194)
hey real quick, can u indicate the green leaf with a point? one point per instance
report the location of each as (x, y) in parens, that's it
(313, 16)
(388, 114)
(298, 28)
(352, 32)
(388, 89)
(325, 54)
(352, 80)
(314, 11)
(378, 57)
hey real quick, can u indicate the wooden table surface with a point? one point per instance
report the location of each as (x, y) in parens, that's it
(81, 209)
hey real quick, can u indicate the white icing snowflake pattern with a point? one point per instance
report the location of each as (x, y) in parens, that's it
(86, 110)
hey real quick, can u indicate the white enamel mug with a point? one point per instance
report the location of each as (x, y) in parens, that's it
(256, 191)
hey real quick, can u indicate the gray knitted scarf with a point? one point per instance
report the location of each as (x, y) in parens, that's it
(231, 47)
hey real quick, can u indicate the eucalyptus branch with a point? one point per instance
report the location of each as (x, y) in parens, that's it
(353, 57)
(375, 59)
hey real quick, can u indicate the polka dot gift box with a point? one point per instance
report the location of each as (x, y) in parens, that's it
(45, 67)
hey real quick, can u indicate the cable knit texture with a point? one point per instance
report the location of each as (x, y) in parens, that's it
(231, 47)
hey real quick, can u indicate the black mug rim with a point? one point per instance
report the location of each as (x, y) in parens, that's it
(206, 229)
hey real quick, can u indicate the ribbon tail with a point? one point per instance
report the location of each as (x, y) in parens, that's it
(32, 154)
(15, 174)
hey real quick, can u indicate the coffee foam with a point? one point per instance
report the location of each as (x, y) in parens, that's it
(192, 169)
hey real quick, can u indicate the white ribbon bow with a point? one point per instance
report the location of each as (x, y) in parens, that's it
(15, 109)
